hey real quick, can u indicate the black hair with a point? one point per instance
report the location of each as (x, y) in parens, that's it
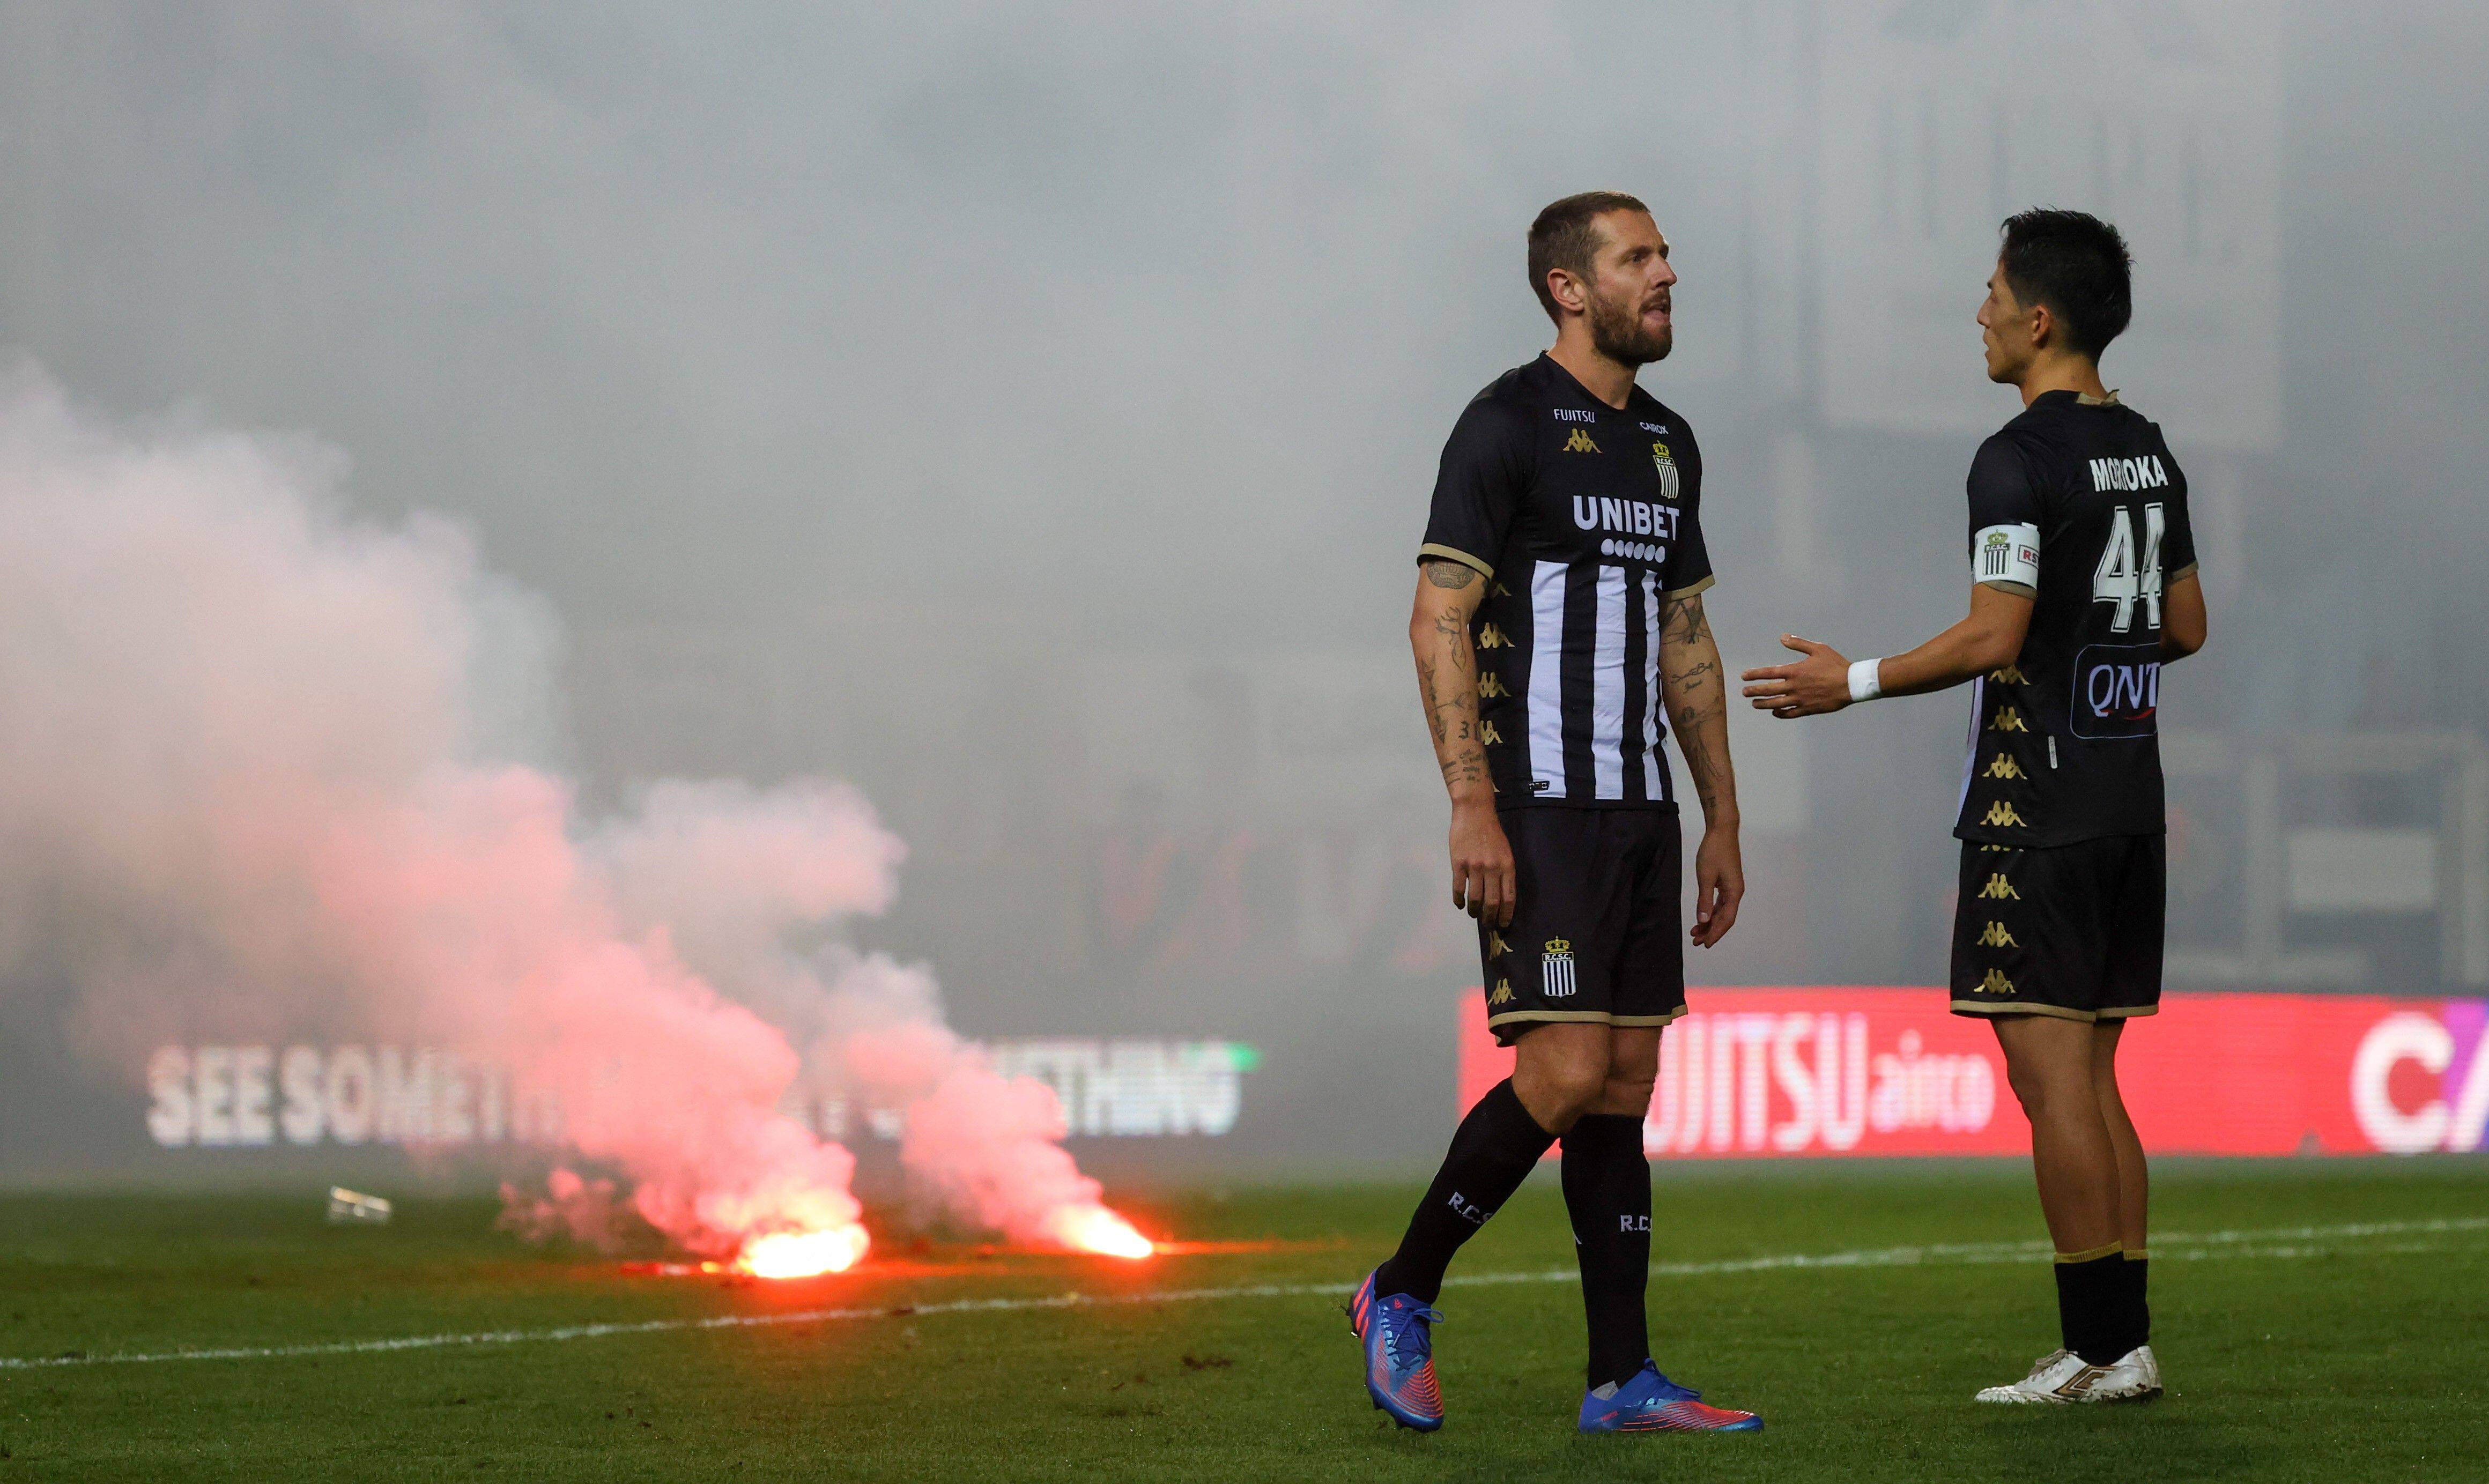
(1566, 236)
(2078, 266)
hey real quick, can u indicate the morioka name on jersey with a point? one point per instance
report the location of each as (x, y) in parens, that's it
(1584, 522)
(2077, 505)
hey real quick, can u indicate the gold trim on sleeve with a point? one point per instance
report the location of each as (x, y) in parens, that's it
(1704, 586)
(1455, 553)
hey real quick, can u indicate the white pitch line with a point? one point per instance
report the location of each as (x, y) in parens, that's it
(2180, 1246)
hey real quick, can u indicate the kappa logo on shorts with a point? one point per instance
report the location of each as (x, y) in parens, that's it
(1997, 938)
(1556, 970)
(2001, 813)
(1491, 638)
(1496, 947)
(1489, 735)
(1502, 993)
(1579, 442)
(1490, 685)
(2005, 768)
(1994, 984)
(1999, 889)
(2008, 719)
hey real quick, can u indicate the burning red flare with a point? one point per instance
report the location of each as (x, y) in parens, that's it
(804, 1254)
(1096, 1229)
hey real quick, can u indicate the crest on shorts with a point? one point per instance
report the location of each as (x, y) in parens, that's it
(1556, 970)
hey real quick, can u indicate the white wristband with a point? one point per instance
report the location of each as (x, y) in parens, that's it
(1865, 684)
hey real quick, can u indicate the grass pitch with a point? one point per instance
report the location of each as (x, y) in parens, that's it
(2315, 1322)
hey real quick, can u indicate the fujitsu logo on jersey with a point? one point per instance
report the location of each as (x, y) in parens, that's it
(2143, 473)
(1575, 415)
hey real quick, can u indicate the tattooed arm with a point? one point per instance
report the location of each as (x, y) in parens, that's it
(1448, 594)
(1698, 708)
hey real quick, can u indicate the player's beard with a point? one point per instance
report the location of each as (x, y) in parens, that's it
(1616, 333)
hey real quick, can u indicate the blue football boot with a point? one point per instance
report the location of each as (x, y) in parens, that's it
(1651, 1403)
(1399, 1355)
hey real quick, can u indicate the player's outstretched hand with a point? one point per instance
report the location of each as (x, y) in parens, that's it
(1813, 686)
(1482, 874)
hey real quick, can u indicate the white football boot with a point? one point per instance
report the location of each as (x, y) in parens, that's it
(2063, 1379)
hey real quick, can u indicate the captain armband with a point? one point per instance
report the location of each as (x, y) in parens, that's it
(2007, 557)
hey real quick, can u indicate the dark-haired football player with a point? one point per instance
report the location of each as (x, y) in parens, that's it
(2083, 586)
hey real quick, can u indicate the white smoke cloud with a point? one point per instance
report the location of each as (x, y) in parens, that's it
(259, 780)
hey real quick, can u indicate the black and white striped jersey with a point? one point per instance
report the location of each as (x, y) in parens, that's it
(1584, 522)
(2077, 505)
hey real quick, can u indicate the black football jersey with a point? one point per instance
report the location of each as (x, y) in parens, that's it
(1583, 520)
(2077, 505)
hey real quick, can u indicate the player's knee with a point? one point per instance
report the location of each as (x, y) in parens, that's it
(1627, 1093)
(1559, 1092)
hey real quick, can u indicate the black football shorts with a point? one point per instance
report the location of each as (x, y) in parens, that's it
(2073, 931)
(1596, 925)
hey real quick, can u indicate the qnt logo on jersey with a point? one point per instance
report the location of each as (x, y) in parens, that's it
(1556, 970)
(1579, 442)
(2117, 691)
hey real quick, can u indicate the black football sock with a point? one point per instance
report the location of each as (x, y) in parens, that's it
(2088, 1290)
(1607, 1190)
(1493, 1151)
(2134, 1308)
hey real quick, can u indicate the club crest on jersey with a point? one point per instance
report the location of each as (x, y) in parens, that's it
(1556, 970)
(1669, 484)
(1579, 442)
